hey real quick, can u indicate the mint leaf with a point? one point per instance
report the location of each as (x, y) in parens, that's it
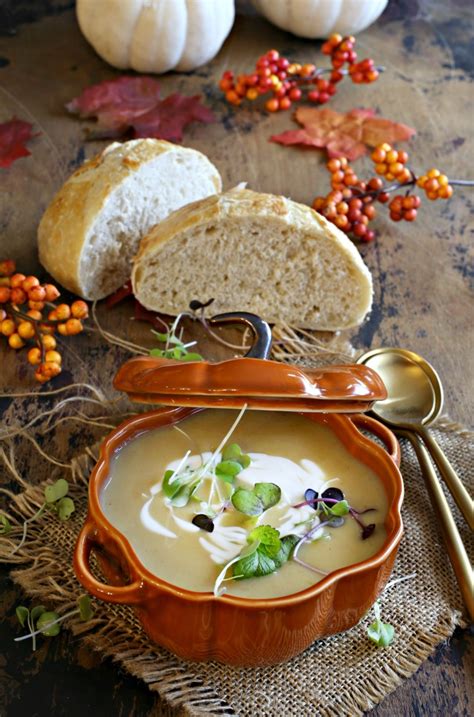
(269, 494)
(272, 552)
(286, 548)
(268, 536)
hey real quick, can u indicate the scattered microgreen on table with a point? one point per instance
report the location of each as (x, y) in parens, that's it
(382, 633)
(56, 501)
(47, 622)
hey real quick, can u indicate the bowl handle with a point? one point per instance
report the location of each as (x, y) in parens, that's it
(378, 429)
(262, 343)
(127, 594)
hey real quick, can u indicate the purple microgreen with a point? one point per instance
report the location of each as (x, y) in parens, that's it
(331, 494)
(366, 530)
(311, 497)
(203, 522)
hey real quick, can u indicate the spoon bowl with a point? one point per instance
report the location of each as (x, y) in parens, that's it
(415, 394)
(414, 401)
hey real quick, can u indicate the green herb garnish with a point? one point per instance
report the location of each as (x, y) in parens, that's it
(380, 632)
(264, 554)
(174, 346)
(255, 501)
(56, 501)
(46, 622)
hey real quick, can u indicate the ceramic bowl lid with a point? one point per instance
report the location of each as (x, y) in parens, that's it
(258, 383)
(252, 380)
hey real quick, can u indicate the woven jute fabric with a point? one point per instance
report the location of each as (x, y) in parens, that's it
(342, 675)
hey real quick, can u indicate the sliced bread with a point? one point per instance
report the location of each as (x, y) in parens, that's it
(92, 228)
(254, 252)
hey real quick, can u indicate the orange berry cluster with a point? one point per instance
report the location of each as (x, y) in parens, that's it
(390, 163)
(435, 184)
(24, 317)
(290, 82)
(350, 203)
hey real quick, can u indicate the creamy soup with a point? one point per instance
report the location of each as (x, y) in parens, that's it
(285, 449)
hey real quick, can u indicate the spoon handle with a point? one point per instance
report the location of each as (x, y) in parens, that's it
(454, 545)
(458, 491)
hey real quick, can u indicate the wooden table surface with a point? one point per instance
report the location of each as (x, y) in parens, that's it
(423, 272)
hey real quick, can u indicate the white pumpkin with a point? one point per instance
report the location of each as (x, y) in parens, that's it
(320, 18)
(156, 35)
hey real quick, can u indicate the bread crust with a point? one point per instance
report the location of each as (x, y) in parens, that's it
(244, 204)
(64, 228)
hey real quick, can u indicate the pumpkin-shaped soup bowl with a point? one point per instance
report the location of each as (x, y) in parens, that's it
(236, 629)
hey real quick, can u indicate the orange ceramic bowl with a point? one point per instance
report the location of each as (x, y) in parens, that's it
(235, 630)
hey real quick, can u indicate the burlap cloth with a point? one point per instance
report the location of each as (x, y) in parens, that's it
(343, 675)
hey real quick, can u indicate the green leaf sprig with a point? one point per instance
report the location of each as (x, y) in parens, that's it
(56, 501)
(256, 500)
(382, 633)
(264, 553)
(181, 484)
(175, 348)
(47, 622)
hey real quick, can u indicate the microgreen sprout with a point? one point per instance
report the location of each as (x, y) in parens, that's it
(56, 501)
(46, 622)
(255, 501)
(175, 348)
(332, 503)
(380, 632)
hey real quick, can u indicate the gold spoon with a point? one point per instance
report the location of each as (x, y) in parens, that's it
(415, 400)
(454, 545)
(403, 389)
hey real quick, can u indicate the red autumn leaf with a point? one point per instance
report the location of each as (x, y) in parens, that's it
(14, 134)
(133, 104)
(343, 135)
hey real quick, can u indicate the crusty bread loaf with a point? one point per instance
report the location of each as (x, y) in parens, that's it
(92, 228)
(254, 252)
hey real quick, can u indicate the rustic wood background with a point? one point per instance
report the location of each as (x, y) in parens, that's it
(423, 272)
